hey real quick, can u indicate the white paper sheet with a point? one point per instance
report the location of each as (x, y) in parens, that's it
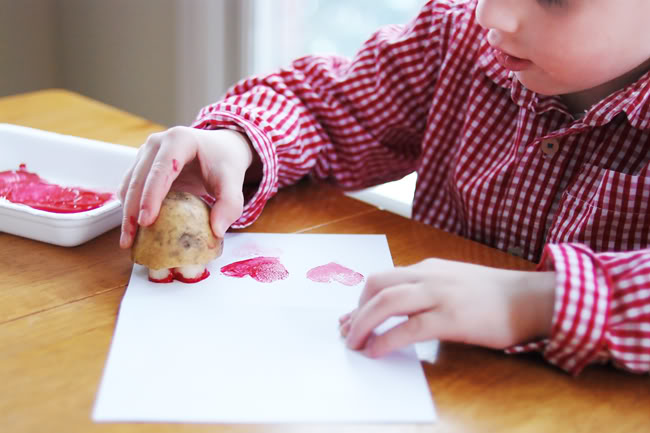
(235, 350)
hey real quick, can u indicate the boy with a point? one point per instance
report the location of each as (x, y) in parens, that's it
(527, 121)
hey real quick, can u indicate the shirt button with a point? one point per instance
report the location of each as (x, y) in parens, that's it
(550, 146)
(516, 251)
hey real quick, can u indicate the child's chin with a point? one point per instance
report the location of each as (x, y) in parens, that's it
(537, 84)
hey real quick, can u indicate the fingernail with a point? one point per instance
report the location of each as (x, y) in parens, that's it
(369, 347)
(348, 341)
(344, 329)
(221, 228)
(123, 240)
(344, 317)
(144, 215)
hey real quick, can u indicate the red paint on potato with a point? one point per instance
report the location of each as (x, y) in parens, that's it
(178, 276)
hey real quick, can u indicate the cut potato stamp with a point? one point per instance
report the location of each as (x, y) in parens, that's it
(180, 243)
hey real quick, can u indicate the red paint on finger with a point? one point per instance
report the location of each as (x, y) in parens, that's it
(334, 272)
(209, 199)
(175, 165)
(133, 226)
(262, 269)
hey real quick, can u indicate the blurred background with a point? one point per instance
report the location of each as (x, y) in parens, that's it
(165, 59)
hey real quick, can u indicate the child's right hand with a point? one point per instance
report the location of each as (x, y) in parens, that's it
(192, 160)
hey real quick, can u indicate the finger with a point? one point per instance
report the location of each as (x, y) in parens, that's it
(344, 328)
(380, 281)
(419, 327)
(165, 168)
(395, 301)
(346, 317)
(226, 186)
(131, 204)
(126, 179)
(227, 209)
(345, 322)
(129, 225)
(124, 184)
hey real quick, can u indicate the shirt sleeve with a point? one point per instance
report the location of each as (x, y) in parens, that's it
(357, 122)
(602, 309)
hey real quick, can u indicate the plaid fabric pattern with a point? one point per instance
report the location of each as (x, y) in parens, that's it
(496, 163)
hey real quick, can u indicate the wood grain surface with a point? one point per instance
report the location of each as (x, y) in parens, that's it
(58, 308)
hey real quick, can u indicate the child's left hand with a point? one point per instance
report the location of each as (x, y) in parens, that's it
(451, 301)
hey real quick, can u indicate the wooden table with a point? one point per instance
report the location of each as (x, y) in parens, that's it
(58, 308)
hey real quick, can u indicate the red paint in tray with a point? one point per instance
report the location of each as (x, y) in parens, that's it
(24, 187)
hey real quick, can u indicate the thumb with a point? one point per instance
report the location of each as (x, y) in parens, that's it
(227, 208)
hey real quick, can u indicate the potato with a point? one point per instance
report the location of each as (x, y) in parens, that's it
(180, 237)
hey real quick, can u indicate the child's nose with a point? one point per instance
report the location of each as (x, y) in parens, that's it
(498, 15)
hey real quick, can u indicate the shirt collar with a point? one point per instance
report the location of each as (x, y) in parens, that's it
(633, 100)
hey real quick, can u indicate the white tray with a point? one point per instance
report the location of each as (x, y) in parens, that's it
(63, 160)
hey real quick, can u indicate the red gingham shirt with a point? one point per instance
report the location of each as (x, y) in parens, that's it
(496, 163)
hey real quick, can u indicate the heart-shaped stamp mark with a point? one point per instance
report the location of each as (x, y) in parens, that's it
(262, 269)
(335, 272)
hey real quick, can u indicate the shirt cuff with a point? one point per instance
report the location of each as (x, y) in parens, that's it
(262, 145)
(582, 297)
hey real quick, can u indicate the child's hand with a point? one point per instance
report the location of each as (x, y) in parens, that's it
(451, 301)
(193, 160)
